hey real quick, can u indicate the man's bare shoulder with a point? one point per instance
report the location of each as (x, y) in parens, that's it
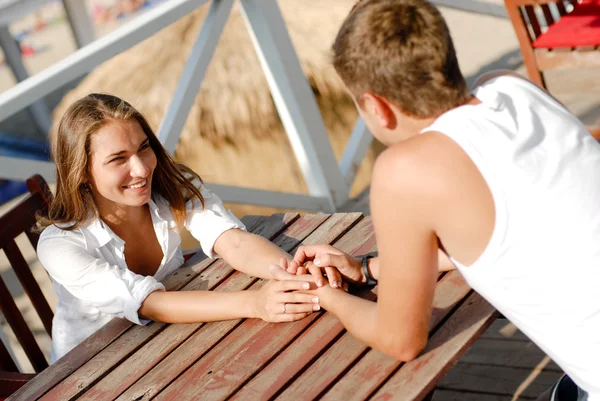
(432, 184)
(428, 162)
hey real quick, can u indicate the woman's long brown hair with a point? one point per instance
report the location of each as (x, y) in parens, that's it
(71, 151)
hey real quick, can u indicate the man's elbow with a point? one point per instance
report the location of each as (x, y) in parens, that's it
(403, 350)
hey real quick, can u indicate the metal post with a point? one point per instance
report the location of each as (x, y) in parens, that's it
(295, 101)
(356, 150)
(39, 111)
(90, 56)
(17, 169)
(80, 21)
(193, 73)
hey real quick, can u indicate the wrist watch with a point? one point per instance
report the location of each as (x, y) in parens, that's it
(365, 269)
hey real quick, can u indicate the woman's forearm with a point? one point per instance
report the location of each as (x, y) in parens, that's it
(198, 306)
(249, 253)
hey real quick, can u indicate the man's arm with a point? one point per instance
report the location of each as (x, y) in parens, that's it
(402, 200)
(444, 264)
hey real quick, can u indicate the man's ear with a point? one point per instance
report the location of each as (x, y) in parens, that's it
(380, 109)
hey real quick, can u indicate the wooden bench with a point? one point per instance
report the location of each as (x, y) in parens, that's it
(250, 359)
(557, 34)
(22, 219)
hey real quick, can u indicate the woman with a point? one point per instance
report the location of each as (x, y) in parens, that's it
(112, 232)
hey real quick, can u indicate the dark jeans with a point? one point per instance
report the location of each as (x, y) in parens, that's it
(566, 390)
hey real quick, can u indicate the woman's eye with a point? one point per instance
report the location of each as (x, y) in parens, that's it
(145, 146)
(117, 159)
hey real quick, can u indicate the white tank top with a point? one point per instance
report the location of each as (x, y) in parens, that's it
(541, 268)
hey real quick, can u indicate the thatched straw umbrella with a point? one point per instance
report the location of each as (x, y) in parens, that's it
(233, 134)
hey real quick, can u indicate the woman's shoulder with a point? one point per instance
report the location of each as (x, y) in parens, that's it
(55, 241)
(60, 232)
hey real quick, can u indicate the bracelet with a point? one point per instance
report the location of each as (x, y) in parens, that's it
(364, 263)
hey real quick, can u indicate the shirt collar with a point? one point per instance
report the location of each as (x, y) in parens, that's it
(103, 233)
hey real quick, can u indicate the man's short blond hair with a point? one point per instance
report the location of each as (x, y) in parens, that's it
(400, 50)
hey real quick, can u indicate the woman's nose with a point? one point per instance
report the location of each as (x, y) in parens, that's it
(138, 167)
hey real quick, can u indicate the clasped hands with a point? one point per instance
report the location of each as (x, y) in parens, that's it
(305, 284)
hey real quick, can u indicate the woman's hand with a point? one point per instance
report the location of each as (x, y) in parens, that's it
(279, 301)
(324, 294)
(336, 264)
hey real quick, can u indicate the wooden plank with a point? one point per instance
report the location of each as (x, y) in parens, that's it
(532, 2)
(203, 277)
(66, 365)
(19, 218)
(104, 337)
(514, 354)
(553, 60)
(24, 335)
(252, 344)
(374, 367)
(503, 329)
(418, 377)
(461, 395)
(533, 21)
(284, 368)
(260, 225)
(273, 377)
(518, 19)
(498, 380)
(159, 376)
(560, 5)
(30, 285)
(547, 14)
(159, 347)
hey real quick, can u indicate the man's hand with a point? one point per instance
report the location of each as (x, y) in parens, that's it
(324, 293)
(336, 264)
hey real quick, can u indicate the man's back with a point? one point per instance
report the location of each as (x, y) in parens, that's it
(541, 266)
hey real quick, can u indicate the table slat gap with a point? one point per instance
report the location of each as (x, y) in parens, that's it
(66, 365)
(152, 382)
(431, 333)
(239, 346)
(340, 358)
(358, 358)
(300, 371)
(376, 367)
(259, 224)
(316, 340)
(443, 349)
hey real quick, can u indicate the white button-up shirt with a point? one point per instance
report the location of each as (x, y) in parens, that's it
(90, 275)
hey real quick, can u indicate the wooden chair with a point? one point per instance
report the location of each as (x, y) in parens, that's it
(571, 39)
(22, 219)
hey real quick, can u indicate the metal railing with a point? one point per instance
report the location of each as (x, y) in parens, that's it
(328, 181)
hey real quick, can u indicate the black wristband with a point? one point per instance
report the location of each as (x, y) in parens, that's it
(365, 269)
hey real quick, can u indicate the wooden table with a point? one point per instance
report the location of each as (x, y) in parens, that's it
(252, 360)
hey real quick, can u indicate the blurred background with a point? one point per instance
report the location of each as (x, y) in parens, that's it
(234, 136)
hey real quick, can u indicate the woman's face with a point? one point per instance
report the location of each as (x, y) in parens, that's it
(121, 166)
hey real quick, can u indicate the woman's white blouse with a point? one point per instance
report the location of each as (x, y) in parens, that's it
(90, 275)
